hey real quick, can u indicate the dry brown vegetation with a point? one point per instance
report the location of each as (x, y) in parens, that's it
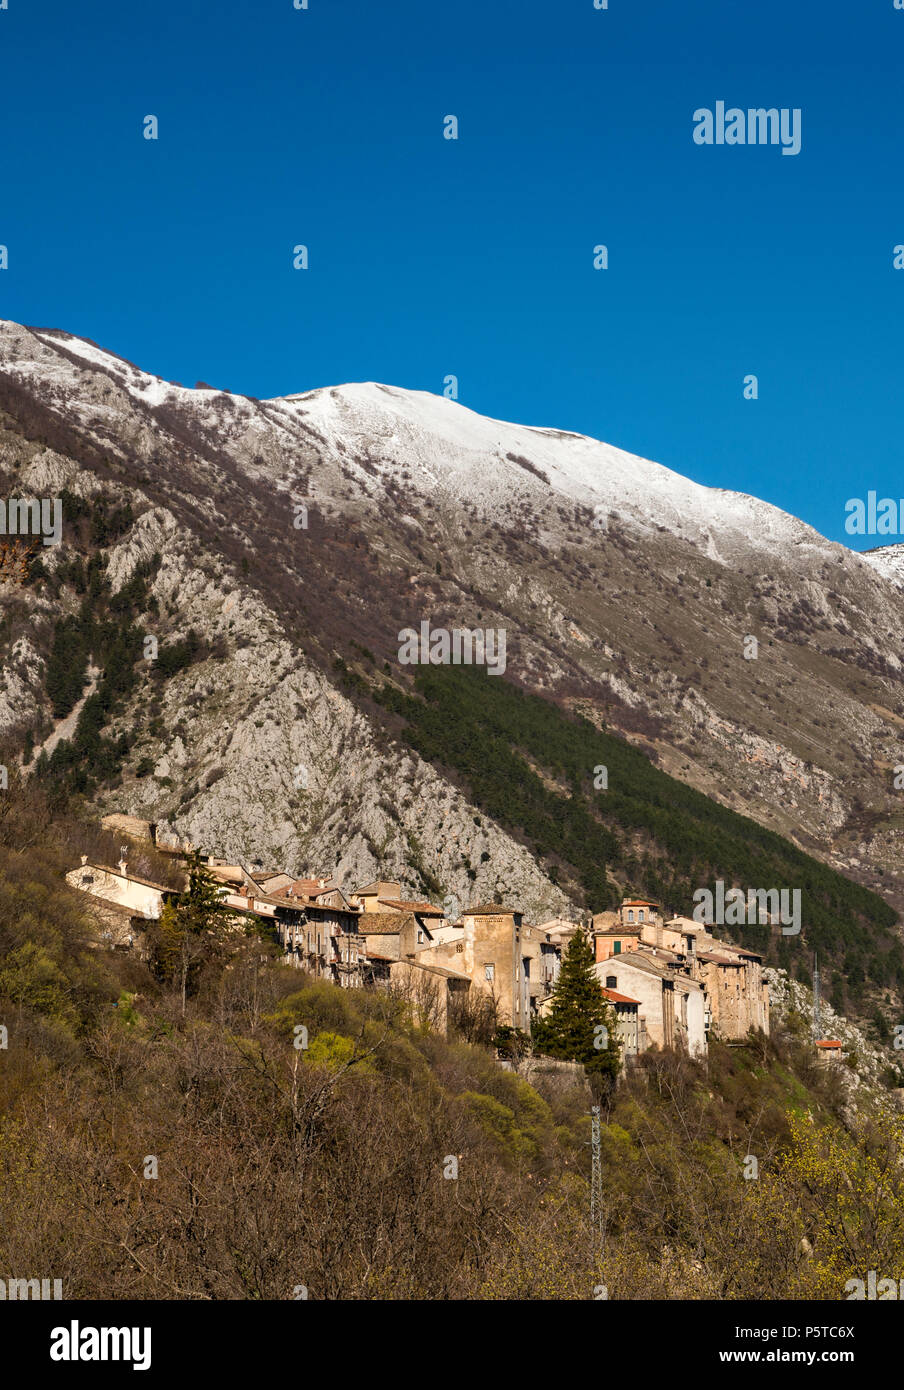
(325, 1169)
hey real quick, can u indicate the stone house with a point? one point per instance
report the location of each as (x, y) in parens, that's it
(737, 996)
(632, 1028)
(671, 1004)
(394, 935)
(737, 992)
(615, 941)
(323, 938)
(431, 989)
(636, 911)
(514, 963)
(142, 896)
(119, 928)
(559, 931)
(667, 936)
(390, 916)
(369, 896)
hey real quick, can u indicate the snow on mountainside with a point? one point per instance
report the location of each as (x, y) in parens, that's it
(888, 560)
(626, 590)
(469, 455)
(450, 449)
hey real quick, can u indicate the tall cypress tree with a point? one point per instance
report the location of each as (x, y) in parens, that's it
(572, 1028)
(193, 930)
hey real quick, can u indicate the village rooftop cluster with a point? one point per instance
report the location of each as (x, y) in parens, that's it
(669, 980)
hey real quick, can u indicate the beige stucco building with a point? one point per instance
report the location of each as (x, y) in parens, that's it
(141, 896)
(515, 964)
(735, 996)
(671, 1004)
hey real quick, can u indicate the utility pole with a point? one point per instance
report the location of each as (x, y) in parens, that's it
(596, 1173)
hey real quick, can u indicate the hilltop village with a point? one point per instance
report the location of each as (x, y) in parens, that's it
(670, 981)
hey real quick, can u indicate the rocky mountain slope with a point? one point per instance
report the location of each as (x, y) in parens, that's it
(295, 532)
(869, 1067)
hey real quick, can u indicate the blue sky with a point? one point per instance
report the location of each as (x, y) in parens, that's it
(475, 257)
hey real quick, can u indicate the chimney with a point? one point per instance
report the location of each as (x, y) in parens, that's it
(122, 866)
(84, 858)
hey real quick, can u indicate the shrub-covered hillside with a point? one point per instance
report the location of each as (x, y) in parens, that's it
(147, 1152)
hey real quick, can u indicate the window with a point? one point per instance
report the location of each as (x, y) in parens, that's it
(489, 971)
(420, 936)
(630, 914)
(640, 915)
(616, 948)
(612, 982)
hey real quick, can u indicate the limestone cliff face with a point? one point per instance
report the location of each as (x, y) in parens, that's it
(260, 756)
(864, 1062)
(277, 764)
(291, 530)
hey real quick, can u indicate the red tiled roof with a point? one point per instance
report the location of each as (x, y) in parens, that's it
(384, 923)
(302, 887)
(308, 903)
(615, 998)
(424, 908)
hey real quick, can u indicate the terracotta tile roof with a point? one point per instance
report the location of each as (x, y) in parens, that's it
(491, 910)
(617, 998)
(828, 1042)
(307, 903)
(426, 909)
(304, 887)
(384, 923)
